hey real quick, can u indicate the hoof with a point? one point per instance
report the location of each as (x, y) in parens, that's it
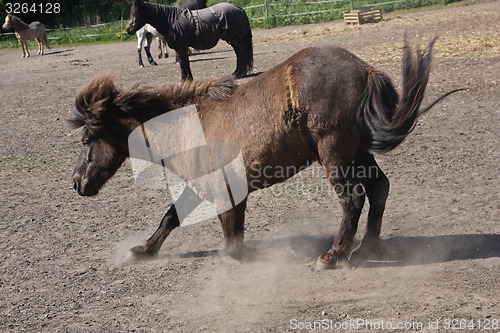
(358, 257)
(239, 75)
(322, 265)
(363, 253)
(242, 254)
(139, 253)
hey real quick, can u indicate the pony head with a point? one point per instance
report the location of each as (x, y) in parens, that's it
(137, 18)
(8, 22)
(101, 152)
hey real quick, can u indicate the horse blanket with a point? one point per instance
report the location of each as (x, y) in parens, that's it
(203, 27)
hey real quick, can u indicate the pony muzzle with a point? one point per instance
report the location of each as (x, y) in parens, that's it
(83, 187)
(131, 29)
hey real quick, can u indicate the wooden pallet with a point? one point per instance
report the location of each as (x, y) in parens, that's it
(363, 16)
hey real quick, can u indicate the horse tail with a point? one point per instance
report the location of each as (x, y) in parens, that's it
(248, 51)
(46, 40)
(386, 120)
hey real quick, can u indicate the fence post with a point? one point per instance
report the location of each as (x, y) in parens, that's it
(406, 4)
(121, 27)
(266, 10)
(352, 5)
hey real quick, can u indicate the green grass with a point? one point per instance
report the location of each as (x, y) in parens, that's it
(280, 13)
(83, 35)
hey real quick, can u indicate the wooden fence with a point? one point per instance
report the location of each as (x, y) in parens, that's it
(340, 5)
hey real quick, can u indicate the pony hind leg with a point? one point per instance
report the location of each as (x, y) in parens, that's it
(140, 41)
(26, 48)
(184, 63)
(243, 63)
(376, 185)
(149, 40)
(40, 45)
(351, 194)
(240, 68)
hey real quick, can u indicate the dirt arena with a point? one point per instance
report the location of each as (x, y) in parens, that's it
(62, 266)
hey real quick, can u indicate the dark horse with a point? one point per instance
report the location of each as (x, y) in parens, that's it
(323, 104)
(200, 29)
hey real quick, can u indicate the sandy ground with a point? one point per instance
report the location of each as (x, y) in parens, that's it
(62, 267)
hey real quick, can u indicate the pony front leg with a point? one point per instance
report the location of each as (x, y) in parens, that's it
(186, 203)
(233, 222)
(233, 226)
(152, 246)
(185, 68)
(24, 48)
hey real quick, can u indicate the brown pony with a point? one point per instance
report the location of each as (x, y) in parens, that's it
(323, 104)
(25, 32)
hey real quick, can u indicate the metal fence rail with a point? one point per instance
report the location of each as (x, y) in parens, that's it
(267, 5)
(59, 29)
(349, 5)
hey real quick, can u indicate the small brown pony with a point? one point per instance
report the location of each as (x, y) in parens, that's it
(323, 104)
(35, 30)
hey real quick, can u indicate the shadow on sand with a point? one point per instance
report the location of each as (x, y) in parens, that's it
(58, 52)
(396, 251)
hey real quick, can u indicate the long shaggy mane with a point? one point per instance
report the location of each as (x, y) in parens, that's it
(99, 99)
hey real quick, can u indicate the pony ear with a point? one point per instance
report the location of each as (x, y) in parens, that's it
(96, 98)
